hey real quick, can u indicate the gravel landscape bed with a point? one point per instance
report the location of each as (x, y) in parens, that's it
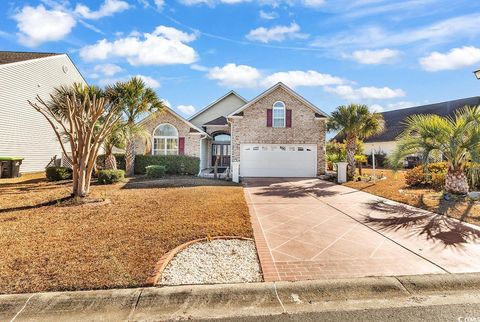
(215, 261)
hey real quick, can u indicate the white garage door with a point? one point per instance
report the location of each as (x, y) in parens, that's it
(278, 160)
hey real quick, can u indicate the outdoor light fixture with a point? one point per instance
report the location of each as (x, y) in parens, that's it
(477, 74)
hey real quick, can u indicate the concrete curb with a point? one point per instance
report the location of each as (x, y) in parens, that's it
(228, 300)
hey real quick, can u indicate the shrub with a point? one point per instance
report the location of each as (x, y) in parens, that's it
(58, 173)
(110, 176)
(433, 176)
(118, 156)
(155, 171)
(174, 164)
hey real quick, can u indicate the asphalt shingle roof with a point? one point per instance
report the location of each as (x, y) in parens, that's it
(8, 57)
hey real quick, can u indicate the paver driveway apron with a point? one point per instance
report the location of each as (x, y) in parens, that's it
(309, 228)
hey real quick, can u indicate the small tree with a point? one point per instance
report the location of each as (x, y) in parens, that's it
(457, 139)
(355, 122)
(81, 117)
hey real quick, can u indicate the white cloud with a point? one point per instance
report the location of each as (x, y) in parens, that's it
(374, 57)
(159, 4)
(174, 34)
(277, 33)
(165, 46)
(313, 3)
(393, 106)
(297, 78)
(268, 15)
(186, 109)
(149, 81)
(379, 93)
(453, 59)
(108, 69)
(233, 75)
(38, 25)
(374, 36)
(108, 8)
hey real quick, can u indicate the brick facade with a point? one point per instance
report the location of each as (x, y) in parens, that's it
(192, 140)
(306, 128)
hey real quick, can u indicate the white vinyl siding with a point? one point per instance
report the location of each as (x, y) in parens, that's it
(24, 132)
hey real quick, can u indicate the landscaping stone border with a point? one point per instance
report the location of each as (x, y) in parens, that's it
(160, 266)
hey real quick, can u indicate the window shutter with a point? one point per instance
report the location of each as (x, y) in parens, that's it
(181, 145)
(269, 117)
(288, 120)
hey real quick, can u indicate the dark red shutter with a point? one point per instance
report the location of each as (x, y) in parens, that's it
(288, 121)
(181, 146)
(269, 117)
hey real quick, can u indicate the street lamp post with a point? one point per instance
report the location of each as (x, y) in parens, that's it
(477, 74)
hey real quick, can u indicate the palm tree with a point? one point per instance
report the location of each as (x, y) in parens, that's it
(355, 122)
(118, 139)
(136, 100)
(456, 138)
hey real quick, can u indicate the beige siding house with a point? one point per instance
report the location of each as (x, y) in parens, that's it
(23, 131)
(277, 134)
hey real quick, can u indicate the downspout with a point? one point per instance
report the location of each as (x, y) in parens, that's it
(203, 137)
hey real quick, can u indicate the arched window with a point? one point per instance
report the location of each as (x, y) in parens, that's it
(279, 114)
(165, 140)
(221, 137)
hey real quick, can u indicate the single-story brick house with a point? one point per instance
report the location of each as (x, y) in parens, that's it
(276, 134)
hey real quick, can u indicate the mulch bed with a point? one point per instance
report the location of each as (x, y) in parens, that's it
(49, 245)
(394, 188)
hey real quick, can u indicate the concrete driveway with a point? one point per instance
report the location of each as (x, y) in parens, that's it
(310, 228)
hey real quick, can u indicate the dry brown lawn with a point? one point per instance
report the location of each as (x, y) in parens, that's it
(394, 188)
(57, 247)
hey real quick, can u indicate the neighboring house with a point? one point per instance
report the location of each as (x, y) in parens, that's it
(395, 122)
(276, 134)
(24, 132)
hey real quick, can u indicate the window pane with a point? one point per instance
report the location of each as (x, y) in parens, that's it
(279, 104)
(172, 144)
(221, 137)
(278, 122)
(166, 130)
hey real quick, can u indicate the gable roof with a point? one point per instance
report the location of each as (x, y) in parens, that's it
(215, 102)
(394, 119)
(200, 131)
(286, 88)
(218, 121)
(8, 57)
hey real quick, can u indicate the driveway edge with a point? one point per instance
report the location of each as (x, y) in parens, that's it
(228, 300)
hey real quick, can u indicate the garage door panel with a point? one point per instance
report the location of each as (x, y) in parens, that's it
(278, 160)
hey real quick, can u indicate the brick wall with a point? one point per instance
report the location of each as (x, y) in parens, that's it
(192, 140)
(306, 129)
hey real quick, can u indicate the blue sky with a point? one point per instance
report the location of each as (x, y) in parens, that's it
(387, 54)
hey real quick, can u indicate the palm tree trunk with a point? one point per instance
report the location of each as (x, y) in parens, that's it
(351, 146)
(110, 162)
(130, 156)
(456, 181)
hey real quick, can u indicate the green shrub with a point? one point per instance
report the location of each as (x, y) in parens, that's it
(110, 176)
(174, 164)
(155, 171)
(58, 173)
(118, 156)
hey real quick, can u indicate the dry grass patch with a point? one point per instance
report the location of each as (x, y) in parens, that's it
(60, 247)
(394, 188)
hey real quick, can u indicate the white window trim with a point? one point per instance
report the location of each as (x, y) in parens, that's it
(158, 137)
(284, 109)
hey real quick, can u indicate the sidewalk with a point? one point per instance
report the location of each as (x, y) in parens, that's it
(246, 301)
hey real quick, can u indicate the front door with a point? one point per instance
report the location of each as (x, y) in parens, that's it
(221, 154)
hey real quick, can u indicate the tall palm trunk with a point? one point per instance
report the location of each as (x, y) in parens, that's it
(110, 162)
(456, 181)
(130, 156)
(351, 146)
